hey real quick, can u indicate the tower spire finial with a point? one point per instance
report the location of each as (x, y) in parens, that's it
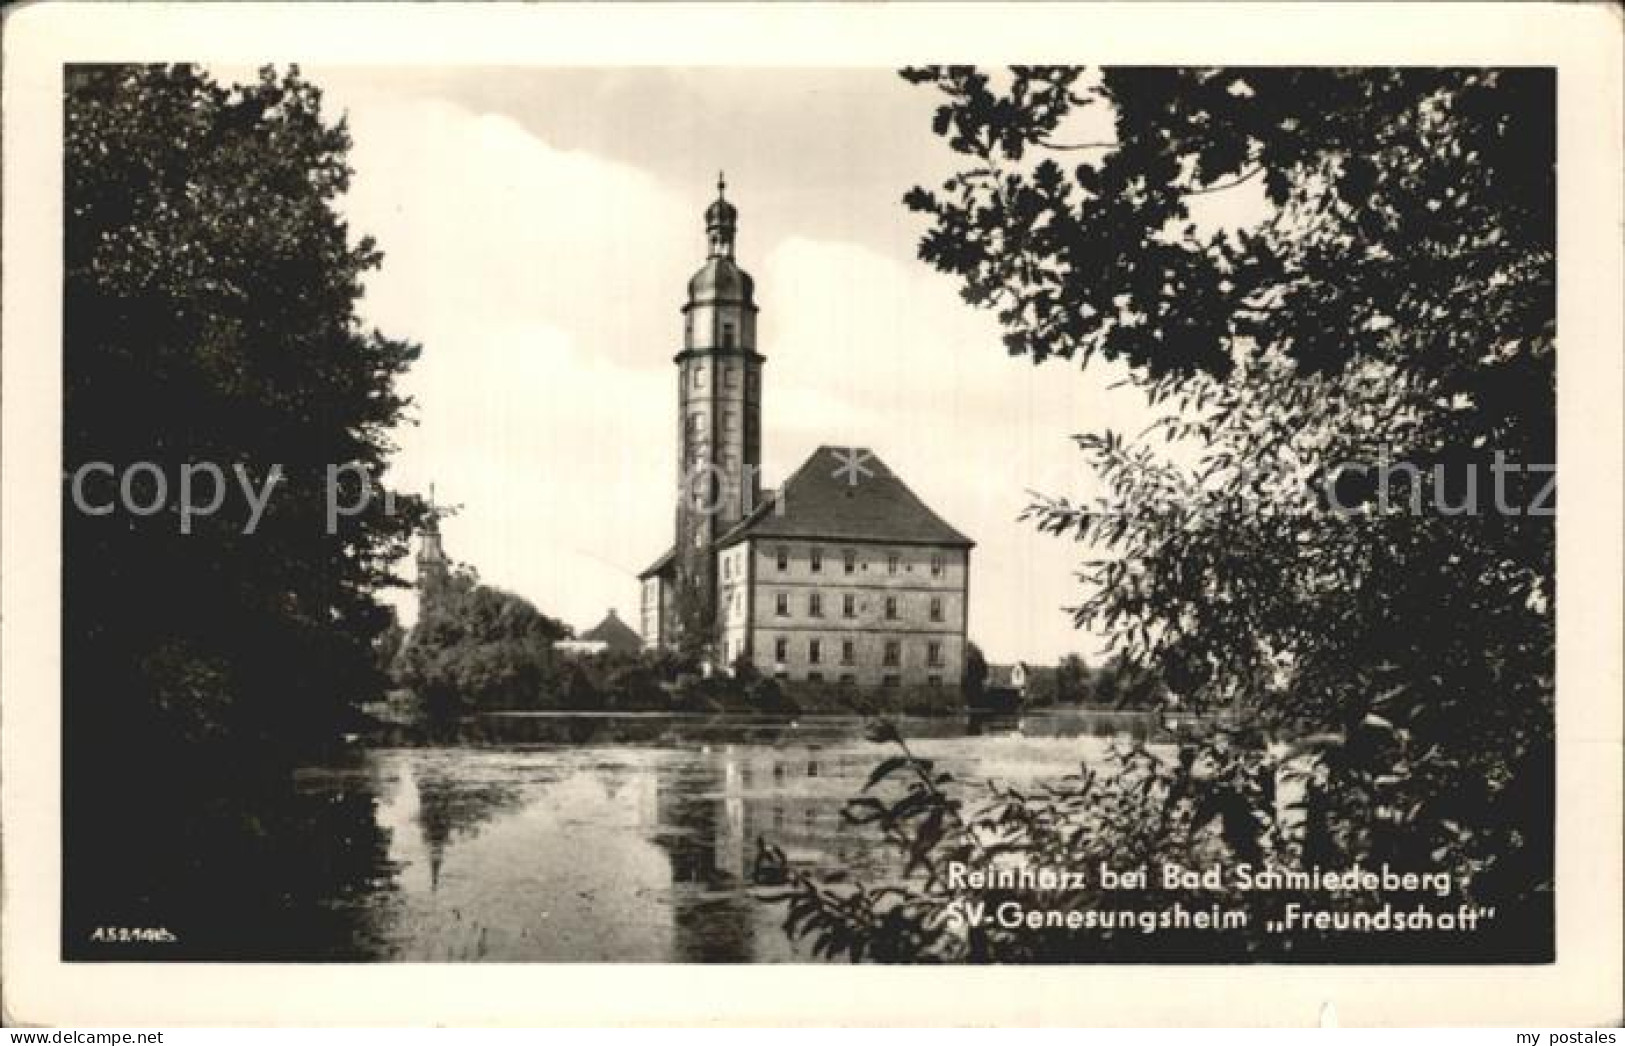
(721, 218)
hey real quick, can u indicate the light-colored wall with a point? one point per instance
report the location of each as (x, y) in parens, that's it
(913, 586)
(702, 327)
(649, 612)
(719, 424)
(733, 599)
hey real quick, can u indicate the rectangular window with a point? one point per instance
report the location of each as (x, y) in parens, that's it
(815, 651)
(784, 559)
(891, 562)
(893, 654)
(891, 608)
(727, 335)
(727, 569)
(730, 376)
(933, 654)
(848, 651)
(848, 677)
(890, 682)
(815, 605)
(696, 424)
(936, 608)
(933, 680)
(849, 605)
(781, 604)
(936, 565)
(781, 649)
(815, 677)
(849, 561)
(730, 421)
(817, 560)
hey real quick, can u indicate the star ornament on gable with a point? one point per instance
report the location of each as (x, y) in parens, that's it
(853, 465)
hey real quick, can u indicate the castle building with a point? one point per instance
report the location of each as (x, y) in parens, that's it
(842, 575)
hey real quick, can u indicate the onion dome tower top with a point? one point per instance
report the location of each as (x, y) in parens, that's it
(719, 280)
(721, 220)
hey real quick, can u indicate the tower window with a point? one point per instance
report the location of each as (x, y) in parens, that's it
(727, 335)
(891, 608)
(815, 651)
(817, 560)
(781, 604)
(849, 605)
(699, 377)
(730, 376)
(936, 608)
(815, 605)
(730, 421)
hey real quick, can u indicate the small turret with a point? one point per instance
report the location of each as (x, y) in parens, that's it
(433, 563)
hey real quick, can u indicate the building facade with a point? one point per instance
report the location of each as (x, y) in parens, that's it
(842, 575)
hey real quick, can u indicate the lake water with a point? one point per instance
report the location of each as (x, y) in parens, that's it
(633, 837)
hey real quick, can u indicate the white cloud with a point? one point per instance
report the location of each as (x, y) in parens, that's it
(540, 283)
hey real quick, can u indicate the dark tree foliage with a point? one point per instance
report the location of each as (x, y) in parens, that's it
(210, 290)
(974, 679)
(1072, 679)
(477, 647)
(1394, 303)
(1399, 195)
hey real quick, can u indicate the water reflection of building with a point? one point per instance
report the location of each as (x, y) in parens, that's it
(712, 812)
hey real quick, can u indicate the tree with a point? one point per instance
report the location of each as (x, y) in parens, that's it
(210, 289)
(477, 647)
(209, 316)
(974, 681)
(1071, 679)
(1271, 579)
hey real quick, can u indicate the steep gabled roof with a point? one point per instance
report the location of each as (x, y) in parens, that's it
(613, 633)
(846, 494)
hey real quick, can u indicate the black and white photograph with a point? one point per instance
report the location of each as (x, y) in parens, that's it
(1098, 514)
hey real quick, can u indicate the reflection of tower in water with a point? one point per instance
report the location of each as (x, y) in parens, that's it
(712, 811)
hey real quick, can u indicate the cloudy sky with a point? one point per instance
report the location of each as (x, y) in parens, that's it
(539, 227)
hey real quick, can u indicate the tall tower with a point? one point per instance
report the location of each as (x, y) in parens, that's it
(433, 564)
(719, 397)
